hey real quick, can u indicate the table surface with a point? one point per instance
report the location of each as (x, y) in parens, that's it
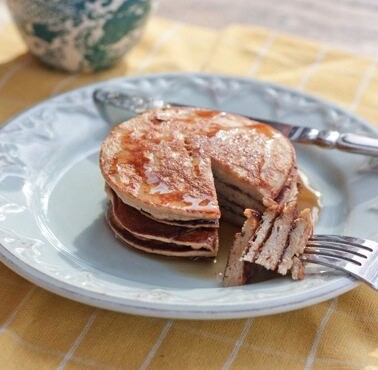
(339, 333)
(350, 24)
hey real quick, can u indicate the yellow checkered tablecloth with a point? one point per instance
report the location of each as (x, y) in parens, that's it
(40, 330)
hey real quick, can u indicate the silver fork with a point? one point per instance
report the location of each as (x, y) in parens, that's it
(355, 256)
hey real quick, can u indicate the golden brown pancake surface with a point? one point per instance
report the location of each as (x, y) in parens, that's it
(163, 162)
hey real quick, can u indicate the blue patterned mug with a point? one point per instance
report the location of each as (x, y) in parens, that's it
(80, 35)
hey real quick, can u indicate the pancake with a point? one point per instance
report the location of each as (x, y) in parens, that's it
(162, 162)
(269, 245)
(270, 254)
(156, 247)
(171, 173)
(301, 231)
(256, 160)
(186, 223)
(142, 227)
(237, 270)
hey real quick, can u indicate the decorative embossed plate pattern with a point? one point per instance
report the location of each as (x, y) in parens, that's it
(52, 202)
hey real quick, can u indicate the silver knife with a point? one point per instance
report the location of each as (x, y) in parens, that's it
(116, 106)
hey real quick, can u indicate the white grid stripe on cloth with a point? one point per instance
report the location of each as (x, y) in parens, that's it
(9, 281)
(78, 340)
(312, 67)
(61, 84)
(166, 36)
(256, 63)
(17, 309)
(239, 343)
(35, 347)
(344, 364)
(211, 52)
(93, 363)
(147, 361)
(369, 74)
(319, 332)
(13, 70)
(40, 349)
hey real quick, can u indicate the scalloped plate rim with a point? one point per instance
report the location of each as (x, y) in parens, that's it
(205, 75)
(169, 310)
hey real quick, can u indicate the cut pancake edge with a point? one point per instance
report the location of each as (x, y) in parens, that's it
(155, 247)
(144, 228)
(260, 245)
(175, 246)
(196, 223)
(173, 214)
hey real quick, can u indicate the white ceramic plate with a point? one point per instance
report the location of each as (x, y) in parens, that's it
(52, 229)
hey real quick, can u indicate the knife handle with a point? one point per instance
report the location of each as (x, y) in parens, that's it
(347, 142)
(358, 144)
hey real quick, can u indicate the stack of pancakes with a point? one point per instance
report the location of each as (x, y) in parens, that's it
(170, 174)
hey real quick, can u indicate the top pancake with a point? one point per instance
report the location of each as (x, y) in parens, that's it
(161, 161)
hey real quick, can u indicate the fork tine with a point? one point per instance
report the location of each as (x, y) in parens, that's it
(335, 254)
(334, 246)
(347, 241)
(354, 256)
(335, 263)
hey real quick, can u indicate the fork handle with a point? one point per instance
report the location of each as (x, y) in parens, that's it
(347, 142)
